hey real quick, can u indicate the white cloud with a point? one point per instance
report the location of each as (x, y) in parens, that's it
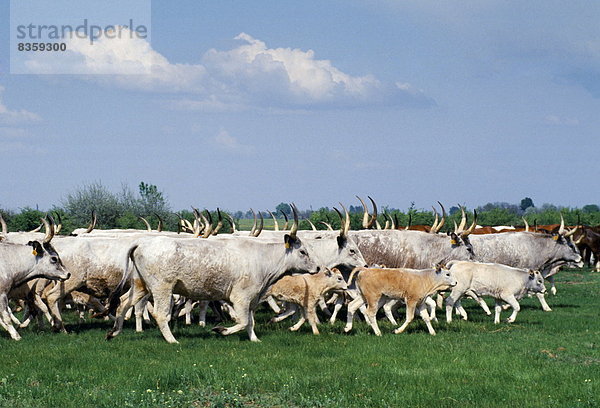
(250, 75)
(10, 117)
(227, 142)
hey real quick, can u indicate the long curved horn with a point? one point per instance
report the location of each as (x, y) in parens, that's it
(312, 226)
(275, 223)
(49, 229)
(148, 227)
(232, 222)
(387, 220)
(38, 229)
(573, 231)
(285, 226)
(396, 223)
(260, 226)
(92, 223)
(463, 220)
(455, 227)
(433, 229)
(443, 221)
(472, 227)
(58, 227)
(294, 229)
(219, 222)
(160, 223)
(197, 223)
(374, 217)
(4, 226)
(526, 224)
(561, 229)
(409, 221)
(365, 221)
(327, 225)
(253, 229)
(346, 223)
(208, 222)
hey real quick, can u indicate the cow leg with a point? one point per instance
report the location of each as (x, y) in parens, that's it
(373, 305)
(291, 308)
(133, 296)
(431, 305)
(55, 296)
(339, 302)
(163, 306)
(5, 320)
(273, 304)
(352, 308)
(410, 315)
(541, 297)
(203, 308)
(300, 321)
(388, 307)
(422, 310)
(439, 300)
(498, 310)
(597, 256)
(452, 300)
(512, 301)
(323, 307)
(242, 315)
(552, 285)
(479, 300)
(311, 315)
(140, 308)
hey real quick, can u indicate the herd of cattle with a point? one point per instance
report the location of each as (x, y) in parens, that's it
(296, 272)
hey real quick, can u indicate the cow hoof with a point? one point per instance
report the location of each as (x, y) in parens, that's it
(219, 329)
(202, 324)
(109, 336)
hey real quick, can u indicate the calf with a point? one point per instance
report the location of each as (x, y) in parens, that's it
(502, 282)
(306, 291)
(377, 285)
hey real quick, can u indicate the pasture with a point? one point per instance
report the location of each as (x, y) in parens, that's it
(542, 360)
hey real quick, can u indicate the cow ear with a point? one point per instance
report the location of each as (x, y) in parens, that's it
(531, 274)
(37, 248)
(288, 240)
(341, 241)
(328, 272)
(453, 238)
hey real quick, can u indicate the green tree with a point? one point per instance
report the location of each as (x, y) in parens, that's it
(526, 203)
(285, 208)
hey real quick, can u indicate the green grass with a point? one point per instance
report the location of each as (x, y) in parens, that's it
(542, 360)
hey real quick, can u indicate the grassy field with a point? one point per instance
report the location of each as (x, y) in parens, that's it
(542, 360)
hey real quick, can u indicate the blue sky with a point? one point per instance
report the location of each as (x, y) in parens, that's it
(252, 104)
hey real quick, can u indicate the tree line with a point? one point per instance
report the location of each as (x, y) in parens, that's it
(123, 209)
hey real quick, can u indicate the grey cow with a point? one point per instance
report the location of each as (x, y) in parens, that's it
(21, 263)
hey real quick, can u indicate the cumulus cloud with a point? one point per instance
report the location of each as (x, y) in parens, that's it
(10, 117)
(250, 75)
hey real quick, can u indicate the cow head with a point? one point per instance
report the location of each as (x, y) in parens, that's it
(297, 252)
(47, 263)
(335, 280)
(566, 250)
(447, 281)
(535, 282)
(348, 253)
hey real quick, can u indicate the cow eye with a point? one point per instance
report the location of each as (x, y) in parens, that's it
(53, 259)
(303, 252)
(352, 252)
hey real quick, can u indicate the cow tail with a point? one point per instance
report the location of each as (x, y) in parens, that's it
(115, 297)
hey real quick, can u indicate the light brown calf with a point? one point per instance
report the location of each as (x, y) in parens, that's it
(378, 285)
(305, 291)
